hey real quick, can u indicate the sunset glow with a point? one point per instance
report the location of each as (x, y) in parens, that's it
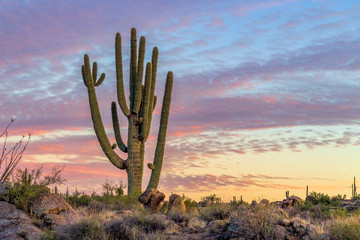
(266, 94)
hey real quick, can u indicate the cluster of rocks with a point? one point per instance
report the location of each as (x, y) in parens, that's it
(56, 213)
(153, 200)
(350, 204)
(51, 209)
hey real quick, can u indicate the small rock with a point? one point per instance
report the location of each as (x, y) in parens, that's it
(197, 223)
(176, 204)
(216, 226)
(285, 222)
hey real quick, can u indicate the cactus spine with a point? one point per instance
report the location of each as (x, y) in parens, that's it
(139, 113)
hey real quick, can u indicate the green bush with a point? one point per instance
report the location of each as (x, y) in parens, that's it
(112, 198)
(27, 184)
(320, 198)
(345, 230)
(190, 204)
(212, 199)
(78, 200)
(234, 203)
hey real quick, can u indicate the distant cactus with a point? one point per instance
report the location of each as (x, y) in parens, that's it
(139, 113)
(353, 187)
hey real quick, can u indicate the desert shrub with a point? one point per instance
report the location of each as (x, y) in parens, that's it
(345, 229)
(320, 198)
(112, 189)
(95, 207)
(86, 229)
(212, 199)
(254, 223)
(141, 226)
(112, 198)
(338, 213)
(78, 200)
(338, 197)
(190, 204)
(178, 216)
(47, 234)
(324, 199)
(234, 203)
(29, 183)
(151, 223)
(319, 211)
(217, 211)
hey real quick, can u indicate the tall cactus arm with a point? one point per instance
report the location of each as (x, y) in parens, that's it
(101, 79)
(160, 146)
(146, 101)
(154, 61)
(116, 127)
(94, 71)
(154, 102)
(139, 75)
(97, 121)
(133, 59)
(83, 74)
(119, 77)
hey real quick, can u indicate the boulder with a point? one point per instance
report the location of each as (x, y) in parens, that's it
(296, 201)
(350, 204)
(204, 203)
(264, 202)
(176, 204)
(152, 199)
(47, 203)
(253, 203)
(15, 224)
(289, 202)
(53, 209)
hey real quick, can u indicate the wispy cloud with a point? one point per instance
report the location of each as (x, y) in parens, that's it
(251, 77)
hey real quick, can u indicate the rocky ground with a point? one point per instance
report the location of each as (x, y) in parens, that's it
(51, 217)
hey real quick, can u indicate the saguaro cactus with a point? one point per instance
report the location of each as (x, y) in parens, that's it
(139, 113)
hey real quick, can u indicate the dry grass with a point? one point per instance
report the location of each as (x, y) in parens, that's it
(344, 229)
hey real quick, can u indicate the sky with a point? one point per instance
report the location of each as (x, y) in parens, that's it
(266, 94)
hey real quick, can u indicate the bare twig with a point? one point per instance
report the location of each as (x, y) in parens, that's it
(10, 158)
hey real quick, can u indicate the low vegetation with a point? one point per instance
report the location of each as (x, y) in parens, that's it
(111, 215)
